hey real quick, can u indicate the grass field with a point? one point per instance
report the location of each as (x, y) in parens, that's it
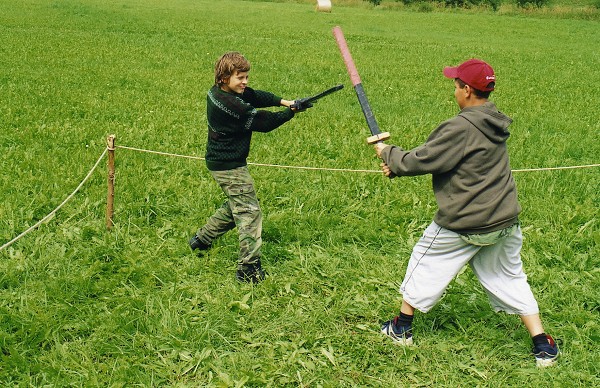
(80, 306)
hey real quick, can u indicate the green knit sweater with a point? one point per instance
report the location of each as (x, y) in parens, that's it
(231, 120)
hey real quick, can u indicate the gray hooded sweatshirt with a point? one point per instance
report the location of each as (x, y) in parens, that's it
(468, 160)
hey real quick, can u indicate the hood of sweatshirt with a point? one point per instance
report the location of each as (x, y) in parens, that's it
(489, 120)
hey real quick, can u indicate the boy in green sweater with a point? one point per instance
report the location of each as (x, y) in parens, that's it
(231, 110)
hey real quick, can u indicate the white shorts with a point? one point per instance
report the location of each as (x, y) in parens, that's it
(440, 255)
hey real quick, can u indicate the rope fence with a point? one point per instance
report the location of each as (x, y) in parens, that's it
(89, 174)
(110, 149)
(338, 169)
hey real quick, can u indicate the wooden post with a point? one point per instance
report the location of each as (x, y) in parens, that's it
(110, 199)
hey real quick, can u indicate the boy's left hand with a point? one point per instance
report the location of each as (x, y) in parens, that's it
(293, 105)
(386, 170)
(300, 105)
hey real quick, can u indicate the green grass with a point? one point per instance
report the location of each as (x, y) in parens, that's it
(80, 306)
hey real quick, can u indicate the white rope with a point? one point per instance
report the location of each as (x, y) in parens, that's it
(341, 169)
(159, 153)
(314, 168)
(59, 206)
(254, 164)
(556, 168)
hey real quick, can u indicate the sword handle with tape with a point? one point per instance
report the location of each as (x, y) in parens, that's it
(376, 135)
(304, 103)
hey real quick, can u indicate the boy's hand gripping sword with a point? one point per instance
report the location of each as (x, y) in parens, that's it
(302, 104)
(377, 136)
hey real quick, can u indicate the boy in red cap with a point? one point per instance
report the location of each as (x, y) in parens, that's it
(477, 218)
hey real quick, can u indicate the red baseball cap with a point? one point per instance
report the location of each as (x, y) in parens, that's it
(475, 73)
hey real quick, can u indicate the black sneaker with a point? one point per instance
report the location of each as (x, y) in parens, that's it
(195, 243)
(401, 335)
(546, 354)
(251, 273)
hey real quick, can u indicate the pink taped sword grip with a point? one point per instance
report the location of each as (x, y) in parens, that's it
(341, 41)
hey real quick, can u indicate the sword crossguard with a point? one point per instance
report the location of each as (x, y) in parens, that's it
(378, 138)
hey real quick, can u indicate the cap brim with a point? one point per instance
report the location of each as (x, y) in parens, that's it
(450, 72)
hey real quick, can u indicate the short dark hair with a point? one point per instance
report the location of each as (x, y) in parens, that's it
(477, 92)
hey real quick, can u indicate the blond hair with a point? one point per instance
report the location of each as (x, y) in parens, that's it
(228, 64)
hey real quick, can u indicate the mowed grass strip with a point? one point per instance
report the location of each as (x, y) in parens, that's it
(83, 307)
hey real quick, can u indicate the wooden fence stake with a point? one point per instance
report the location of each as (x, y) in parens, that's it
(110, 200)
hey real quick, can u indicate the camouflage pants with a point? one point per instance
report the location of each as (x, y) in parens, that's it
(241, 209)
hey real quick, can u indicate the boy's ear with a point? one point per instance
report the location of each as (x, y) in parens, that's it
(468, 91)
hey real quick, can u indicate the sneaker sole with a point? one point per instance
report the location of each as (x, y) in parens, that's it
(545, 362)
(400, 341)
